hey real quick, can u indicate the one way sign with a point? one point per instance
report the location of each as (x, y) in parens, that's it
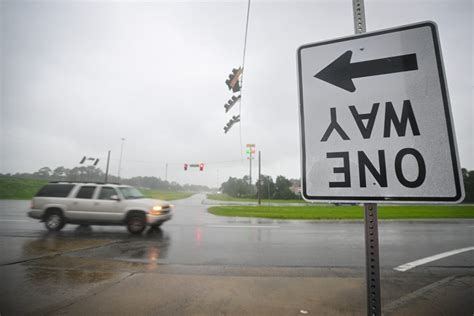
(375, 119)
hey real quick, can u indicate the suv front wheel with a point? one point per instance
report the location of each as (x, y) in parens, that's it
(136, 223)
(54, 221)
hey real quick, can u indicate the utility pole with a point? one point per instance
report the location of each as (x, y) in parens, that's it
(250, 172)
(250, 151)
(107, 168)
(120, 160)
(259, 177)
(166, 172)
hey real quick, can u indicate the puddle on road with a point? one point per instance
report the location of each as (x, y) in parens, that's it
(16, 249)
(56, 245)
(65, 277)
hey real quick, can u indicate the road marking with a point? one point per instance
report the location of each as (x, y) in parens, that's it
(242, 226)
(411, 265)
(14, 220)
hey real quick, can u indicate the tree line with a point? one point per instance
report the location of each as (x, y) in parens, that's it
(93, 174)
(284, 188)
(281, 189)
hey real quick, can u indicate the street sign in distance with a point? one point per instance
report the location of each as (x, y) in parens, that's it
(375, 118)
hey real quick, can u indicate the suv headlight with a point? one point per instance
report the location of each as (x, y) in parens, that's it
(155, 210)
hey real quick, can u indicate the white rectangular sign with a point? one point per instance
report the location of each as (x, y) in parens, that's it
(375, 119)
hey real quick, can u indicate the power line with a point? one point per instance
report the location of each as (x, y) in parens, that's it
(242, 79)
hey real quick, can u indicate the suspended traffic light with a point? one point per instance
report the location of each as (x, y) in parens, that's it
(233, 81)
(201, 166)
(96, 162)
(83, 159)
(233, 120)
(185, 166)
(231, 103)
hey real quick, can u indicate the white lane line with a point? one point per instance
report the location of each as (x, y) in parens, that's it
(242, 226)
(14, 220)
(411, 265)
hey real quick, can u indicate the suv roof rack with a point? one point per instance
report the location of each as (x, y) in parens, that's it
(94, 182)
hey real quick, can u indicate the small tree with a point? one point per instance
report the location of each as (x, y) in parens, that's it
(267, 187)
(282, 189)
(237, 188)
(468, 177)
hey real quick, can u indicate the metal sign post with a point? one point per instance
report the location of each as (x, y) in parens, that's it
(372, 274)
(374, 305)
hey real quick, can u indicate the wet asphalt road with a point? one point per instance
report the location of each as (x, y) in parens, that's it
(196, 243)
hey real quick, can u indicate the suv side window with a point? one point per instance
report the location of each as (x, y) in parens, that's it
(55, 190)
(85, 192)
(106, 193)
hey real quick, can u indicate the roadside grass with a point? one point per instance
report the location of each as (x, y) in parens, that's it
(24, 189)
(346, 212)
(19, 189)
(226, 198)
(165, 195)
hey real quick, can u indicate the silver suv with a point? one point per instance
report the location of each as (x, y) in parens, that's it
(59, 203)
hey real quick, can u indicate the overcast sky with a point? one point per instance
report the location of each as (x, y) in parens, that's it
(76, 77)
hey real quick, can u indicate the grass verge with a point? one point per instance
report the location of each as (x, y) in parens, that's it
(346, 212)
(24, 189)
(19, 189)
(226, 198)
(165, 195)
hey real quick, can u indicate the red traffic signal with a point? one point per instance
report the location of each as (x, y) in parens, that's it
(185, 166)
(201, 166)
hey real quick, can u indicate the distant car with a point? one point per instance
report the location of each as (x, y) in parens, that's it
(60, 203)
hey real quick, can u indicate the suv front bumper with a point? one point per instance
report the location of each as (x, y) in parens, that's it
(157, 219)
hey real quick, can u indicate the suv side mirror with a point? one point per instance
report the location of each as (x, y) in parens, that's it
(114, 197)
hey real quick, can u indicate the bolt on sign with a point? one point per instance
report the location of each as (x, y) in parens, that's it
(375, 118)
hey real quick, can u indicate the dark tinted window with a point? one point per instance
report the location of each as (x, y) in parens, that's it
(85, 192)
(106, 193)
(55, 190)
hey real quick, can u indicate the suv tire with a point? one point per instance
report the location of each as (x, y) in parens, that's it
(136, 223)
(54, 221)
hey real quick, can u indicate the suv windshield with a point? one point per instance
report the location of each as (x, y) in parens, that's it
(131, 193)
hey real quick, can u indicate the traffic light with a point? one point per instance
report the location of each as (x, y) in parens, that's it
(233, 120)
(185, 166)
(231, 103)
(83, 159)
(233, 81)
(96, 162)
(201, 166)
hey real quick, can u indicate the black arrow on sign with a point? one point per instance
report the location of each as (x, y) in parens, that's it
(341, 71)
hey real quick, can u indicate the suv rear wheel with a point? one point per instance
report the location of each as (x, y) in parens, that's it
(136, 223)
(54, 221)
